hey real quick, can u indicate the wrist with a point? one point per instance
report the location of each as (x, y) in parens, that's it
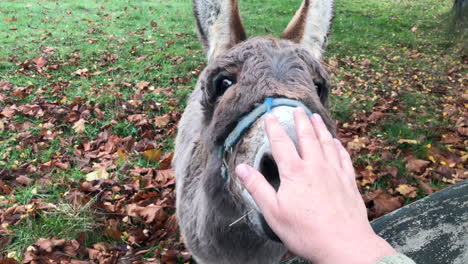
(364, 250)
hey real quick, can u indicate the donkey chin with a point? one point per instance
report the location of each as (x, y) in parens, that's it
(222, 126)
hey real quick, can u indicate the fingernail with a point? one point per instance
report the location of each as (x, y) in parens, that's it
(317, 118)
(242, 171)
(269, 117)
(299, 110)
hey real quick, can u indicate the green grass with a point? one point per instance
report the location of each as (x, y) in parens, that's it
(115, 44)
(65, 223)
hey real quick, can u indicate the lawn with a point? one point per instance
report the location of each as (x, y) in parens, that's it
(91, 92)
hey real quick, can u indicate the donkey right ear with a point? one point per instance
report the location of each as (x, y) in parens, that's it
(310, 25)
(219, 25)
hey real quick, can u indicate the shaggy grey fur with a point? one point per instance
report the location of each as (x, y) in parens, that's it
(206, 204)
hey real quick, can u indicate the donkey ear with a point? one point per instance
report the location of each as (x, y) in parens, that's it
(219, 25)
(310, 25)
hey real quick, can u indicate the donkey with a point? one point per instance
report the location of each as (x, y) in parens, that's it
(222, 125)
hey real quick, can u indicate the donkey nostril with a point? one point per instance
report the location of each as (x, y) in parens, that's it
(269, 169)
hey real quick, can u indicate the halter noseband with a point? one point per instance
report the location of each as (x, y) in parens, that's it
(246, 122)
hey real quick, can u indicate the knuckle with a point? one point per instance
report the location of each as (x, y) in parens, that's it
(297, 167)
(254, 184)
(306, 132)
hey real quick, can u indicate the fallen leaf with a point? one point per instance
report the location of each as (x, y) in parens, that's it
(24, 180)
(143, 84)
(48, 245)
(426, 188)
(416, 165)
(407, 190)
(40, 62)
(166, 161)
(114, 234)
(79, 126)
(81, 72)
(382, 203)
(451, 138)
(152, 154)
(408, 141)
(366, 62)
(99, 174)
(162, 121)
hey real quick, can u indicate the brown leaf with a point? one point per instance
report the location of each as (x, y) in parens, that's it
(392, 171)
(169, 256)
(384, 203)
(416, 165)
(48, 245)
(9, 111)
(451, 138)
(162, 121)
(166, 161)
(149, 213)
(81, 72)
(164, 176)
(4, 188)
(463, 131)
(136, 118)
(8, 261)
(407, 190)
(143, 84)
(152, 154)
(114, 234)
(366, 62)
(24, 180)
(40, 62)
(426, 188)
(375, 116)
(79, 126)
(357, 143)
(61, 165)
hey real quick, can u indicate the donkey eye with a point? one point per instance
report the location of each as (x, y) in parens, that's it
(222, 83)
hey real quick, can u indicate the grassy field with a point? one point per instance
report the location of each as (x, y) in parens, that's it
(91, 92)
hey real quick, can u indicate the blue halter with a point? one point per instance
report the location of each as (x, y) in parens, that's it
(246, 121)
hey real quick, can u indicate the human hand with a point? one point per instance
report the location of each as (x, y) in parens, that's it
(318, 211)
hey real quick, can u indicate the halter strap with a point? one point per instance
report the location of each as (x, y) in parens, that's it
(246, 122)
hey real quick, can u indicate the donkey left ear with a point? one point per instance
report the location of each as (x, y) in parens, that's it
(310, 25)
(219, 25)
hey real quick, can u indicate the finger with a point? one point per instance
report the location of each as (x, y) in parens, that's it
(309, 146)
(338, 147)
(346, 163)
(326, 140)
(282, 147)
(261, 191)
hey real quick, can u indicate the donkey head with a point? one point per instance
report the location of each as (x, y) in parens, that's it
(257, 75)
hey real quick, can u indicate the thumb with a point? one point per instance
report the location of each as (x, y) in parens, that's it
(261, 191)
